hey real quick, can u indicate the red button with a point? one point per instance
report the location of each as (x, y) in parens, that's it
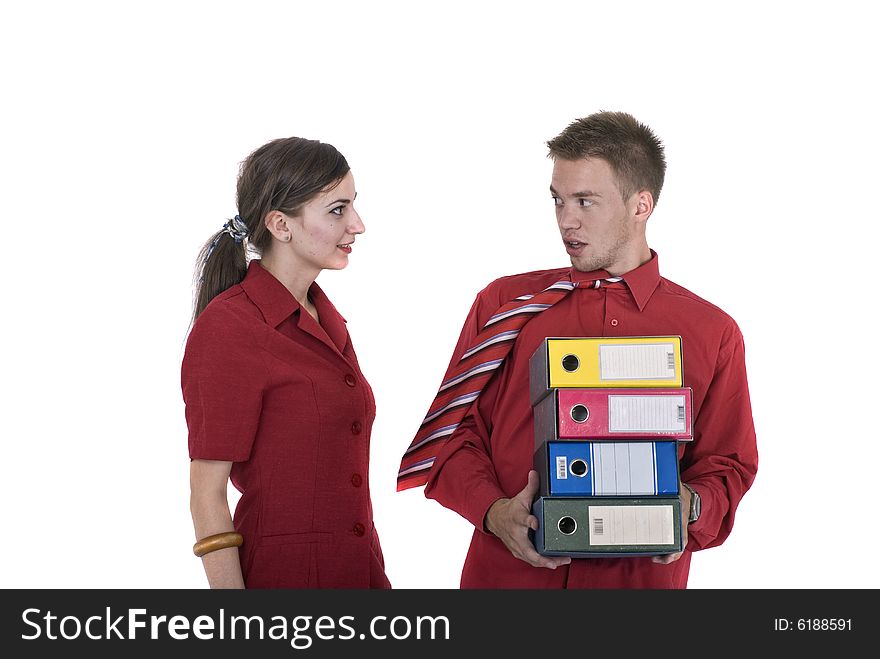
(356, 428)
(349, 380)
(614, 322)
(356, 480)
(358, 529)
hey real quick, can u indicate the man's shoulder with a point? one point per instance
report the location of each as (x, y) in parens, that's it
(508, 287)
(707, 311)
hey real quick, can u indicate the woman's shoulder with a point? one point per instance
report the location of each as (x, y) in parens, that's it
(230, 318)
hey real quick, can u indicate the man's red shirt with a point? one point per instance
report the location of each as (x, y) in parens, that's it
(490, 454)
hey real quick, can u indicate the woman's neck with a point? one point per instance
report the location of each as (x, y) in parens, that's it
(295, 279)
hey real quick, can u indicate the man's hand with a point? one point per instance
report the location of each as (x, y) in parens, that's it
(511, 519)
(685, 495)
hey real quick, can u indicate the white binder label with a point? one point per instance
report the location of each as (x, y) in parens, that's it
(631, 525)
(624, 468)
(637, 361)
(561, 467)
(646, 414)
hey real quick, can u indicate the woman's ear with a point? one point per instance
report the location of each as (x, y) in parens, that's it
(278, 225)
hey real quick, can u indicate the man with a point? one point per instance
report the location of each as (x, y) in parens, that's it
(607, 175)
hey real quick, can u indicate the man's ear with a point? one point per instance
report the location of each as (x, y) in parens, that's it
(644, 205)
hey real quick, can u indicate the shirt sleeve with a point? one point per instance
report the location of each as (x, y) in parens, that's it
(222, 378)
(463, 477)
(722, 460)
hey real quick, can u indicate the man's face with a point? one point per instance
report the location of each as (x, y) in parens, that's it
(597, 225)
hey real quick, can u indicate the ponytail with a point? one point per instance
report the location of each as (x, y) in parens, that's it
(222, 263)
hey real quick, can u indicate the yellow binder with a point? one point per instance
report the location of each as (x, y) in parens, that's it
(630, 361)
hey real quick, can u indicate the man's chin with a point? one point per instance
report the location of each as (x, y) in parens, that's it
(582, 265)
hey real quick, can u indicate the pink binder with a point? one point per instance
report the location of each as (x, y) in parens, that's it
(592, 414)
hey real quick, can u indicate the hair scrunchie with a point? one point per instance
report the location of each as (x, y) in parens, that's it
(235, 228)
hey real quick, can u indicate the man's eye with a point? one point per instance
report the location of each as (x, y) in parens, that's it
(586, 202)
(556, 201)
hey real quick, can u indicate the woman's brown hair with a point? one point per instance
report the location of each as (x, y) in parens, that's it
(283, 175)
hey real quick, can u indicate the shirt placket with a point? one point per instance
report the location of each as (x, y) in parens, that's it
(613, 321)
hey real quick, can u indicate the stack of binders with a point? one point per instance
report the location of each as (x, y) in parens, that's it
(609, 413)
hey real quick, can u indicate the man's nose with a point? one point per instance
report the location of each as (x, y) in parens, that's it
(567, 218)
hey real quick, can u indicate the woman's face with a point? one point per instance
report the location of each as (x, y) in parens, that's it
(322, 235)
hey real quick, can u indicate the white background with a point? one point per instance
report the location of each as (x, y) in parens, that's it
(123, 126)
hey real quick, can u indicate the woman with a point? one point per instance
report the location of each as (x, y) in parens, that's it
(275, 399)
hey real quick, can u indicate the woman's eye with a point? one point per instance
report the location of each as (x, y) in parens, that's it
(338, 210)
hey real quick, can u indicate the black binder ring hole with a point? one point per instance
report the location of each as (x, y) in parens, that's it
(580, 413)
(567, 525)
(578, 468)
(571, 363)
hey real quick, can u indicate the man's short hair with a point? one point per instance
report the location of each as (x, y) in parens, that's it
(629, 147)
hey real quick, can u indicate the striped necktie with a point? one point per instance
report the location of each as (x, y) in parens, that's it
(465, 380)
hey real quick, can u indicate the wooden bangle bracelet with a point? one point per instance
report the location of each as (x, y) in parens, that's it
(217, 541)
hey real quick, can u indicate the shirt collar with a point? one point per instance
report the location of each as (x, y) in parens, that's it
(642, 281)
(332, 325)
(276, 303)
(270, 296)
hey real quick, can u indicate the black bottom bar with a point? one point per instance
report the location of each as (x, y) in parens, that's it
(427, 623)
